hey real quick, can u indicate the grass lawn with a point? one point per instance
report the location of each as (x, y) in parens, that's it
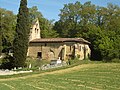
(100, 76)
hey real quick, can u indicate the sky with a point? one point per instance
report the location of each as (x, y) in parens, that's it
(50, 8)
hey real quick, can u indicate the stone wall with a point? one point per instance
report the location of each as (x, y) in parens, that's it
(82, 51)
(65, 51)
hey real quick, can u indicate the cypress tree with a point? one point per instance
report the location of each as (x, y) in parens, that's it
(0, 34)
(20, 44)
(0, 40)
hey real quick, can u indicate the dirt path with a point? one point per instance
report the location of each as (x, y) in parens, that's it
(76, 68)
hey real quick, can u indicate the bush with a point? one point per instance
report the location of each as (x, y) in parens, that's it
(116, 60)
(36, 62)
(7, 63)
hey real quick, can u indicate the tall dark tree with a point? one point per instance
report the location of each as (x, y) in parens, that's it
(0, 31)
(21, 40)
(0, 41)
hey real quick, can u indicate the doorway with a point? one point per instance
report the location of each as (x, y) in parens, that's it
(39, 54)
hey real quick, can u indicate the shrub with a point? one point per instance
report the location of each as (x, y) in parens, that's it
(7, 62)
(36, 62)
(116, 60)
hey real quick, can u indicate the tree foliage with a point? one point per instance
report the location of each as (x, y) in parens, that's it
(46, 26)
(7, 29)
(47, 30)
(99, 25)
(20, 44)
(34, 13)
(0, 42)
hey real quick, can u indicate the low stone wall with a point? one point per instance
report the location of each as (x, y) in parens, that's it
(49, 66)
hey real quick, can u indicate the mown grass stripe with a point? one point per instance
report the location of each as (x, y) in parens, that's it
(88, 82)
(35, 87)
(81, 85)
(11, 87)
(102, 78)
(56, 86)
(79, 76)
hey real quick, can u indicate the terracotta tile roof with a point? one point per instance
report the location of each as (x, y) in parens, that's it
(48, 40)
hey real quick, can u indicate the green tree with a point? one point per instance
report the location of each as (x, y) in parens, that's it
(0, 39)
(99, 25)
(74, 19)
(7, 28)
(34, 13)
(46, 26)
(105, 45)
(47, 30)
(20, 44)
(69, 20)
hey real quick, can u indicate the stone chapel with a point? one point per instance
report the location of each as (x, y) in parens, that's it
(54, 48)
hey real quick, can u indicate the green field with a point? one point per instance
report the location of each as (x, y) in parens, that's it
(103, 76)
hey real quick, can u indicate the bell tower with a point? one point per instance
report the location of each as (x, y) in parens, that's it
(35, 30)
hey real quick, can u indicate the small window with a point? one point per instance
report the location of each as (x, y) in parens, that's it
(35, 30)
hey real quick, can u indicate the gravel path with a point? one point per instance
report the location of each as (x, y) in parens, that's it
(8, 72)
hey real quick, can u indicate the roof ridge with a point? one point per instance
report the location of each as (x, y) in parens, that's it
(60, 40)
